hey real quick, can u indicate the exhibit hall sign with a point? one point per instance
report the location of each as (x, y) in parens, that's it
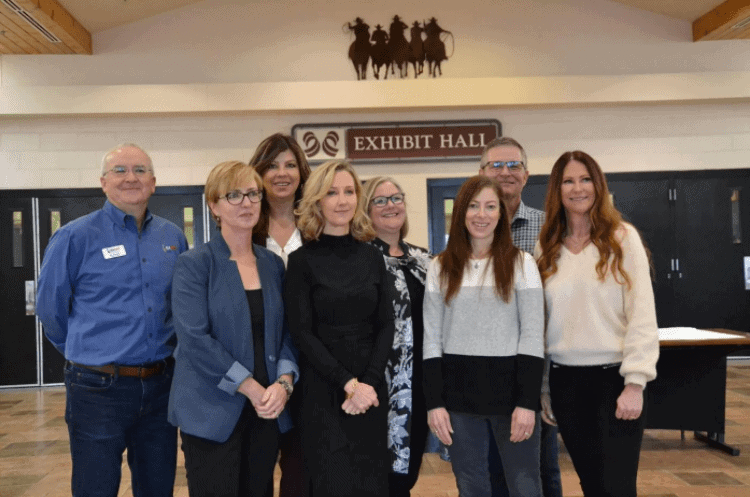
(404, 141)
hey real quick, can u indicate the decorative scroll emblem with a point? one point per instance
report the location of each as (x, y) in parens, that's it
(313, 146)
(393, 51)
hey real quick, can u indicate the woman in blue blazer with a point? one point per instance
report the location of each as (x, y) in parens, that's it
(233, 347)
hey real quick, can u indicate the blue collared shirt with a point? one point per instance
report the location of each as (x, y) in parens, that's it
(104, 288)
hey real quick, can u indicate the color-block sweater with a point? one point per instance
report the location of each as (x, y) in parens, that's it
(484, 355)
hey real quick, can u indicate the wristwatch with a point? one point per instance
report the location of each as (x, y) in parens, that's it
(287, 386)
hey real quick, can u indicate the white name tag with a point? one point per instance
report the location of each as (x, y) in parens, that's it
(112, 252)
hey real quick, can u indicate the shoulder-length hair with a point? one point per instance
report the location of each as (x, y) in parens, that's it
(368, 193)
(455, 258)
(311, 221)
(605, 222)
(262, 159)
(225, 177)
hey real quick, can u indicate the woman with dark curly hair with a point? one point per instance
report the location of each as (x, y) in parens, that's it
(602, 336)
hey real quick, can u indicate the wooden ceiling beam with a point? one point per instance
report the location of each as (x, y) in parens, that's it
(12, 22)
(55, 19)
(10, 44)
(719, 23)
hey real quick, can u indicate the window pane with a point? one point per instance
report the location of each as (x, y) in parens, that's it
(17, 238)
(188, 226)
(54, 222)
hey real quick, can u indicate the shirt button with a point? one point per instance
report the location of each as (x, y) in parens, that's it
(272, 358)
(147, 285)
(149, 309)
(144, 259)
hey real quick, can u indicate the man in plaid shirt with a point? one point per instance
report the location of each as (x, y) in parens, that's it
(504, 160)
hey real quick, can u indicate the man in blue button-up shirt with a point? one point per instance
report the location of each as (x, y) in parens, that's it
(104, 300)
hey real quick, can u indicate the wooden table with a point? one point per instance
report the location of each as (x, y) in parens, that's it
(689, 392)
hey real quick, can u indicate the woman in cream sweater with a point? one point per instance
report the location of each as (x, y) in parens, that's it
(602, 335)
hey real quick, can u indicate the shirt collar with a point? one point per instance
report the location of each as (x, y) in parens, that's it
(386, 249)
(120, 217)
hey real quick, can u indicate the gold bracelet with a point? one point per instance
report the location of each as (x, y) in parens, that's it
(354, 387)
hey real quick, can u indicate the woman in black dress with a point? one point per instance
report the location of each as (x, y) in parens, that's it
(340, 310)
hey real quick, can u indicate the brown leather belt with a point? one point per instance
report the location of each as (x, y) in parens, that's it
(142, 371)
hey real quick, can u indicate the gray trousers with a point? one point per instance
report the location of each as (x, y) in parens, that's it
(470, 452)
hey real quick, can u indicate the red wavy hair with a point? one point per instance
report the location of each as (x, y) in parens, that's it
(606, 221)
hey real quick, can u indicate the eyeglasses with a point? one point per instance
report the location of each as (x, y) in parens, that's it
(513, 166)
(397, 199)
(122, 171)
(236, 197)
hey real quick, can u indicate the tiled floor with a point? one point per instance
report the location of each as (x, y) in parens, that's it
(34, 458)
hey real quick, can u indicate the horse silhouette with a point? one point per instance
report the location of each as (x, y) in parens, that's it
(359, 51)
(416, 55)
(434, 47)
(379, 52)
(398, 47)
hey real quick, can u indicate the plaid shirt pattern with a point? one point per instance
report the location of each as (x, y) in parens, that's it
(525, 227)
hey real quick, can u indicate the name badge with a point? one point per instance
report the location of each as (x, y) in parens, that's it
(112, 252)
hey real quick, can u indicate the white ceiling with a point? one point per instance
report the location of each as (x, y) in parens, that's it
(98, 15)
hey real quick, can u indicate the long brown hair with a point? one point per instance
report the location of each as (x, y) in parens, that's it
(262, 159)
(605, 221)
(455, 258)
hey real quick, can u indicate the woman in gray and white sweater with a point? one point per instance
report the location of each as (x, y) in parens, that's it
(484, 345)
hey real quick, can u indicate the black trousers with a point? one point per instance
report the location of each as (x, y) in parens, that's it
(605, 450)
(241, 466)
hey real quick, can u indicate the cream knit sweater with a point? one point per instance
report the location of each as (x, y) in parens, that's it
(592, 322)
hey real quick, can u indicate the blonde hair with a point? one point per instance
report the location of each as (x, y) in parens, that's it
(226, 177)
(311, 221)
(369, 188)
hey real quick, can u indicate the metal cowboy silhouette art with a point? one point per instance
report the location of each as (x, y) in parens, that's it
(391, 50)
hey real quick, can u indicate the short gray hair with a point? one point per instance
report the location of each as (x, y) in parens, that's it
(105, 159)
(504, 141)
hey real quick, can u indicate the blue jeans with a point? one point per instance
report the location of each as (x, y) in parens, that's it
(107, 414)
(549, 466)
(470, 452)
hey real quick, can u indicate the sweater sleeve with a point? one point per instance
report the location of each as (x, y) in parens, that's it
(298, 298)
(641, 341)
(384, 326)
(433, 311)
(530, 357)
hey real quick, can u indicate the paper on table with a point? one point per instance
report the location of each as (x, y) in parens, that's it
(691, 334)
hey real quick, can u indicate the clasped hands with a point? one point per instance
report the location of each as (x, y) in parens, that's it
(359, 397)
(268, 402)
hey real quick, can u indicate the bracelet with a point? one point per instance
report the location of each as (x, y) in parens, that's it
(287, 386)
(354, 388)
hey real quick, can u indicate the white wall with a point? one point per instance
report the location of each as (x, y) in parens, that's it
(231, 41)
(66, 151)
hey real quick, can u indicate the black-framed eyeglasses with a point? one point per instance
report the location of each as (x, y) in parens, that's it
(397, 198)
(122, 171)
(514, 166)
(235, 197)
